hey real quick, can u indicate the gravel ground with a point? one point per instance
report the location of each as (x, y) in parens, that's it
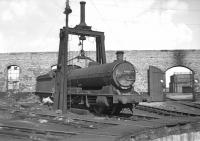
(28, 119)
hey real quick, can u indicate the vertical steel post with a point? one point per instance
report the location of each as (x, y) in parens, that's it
(61, 90)
(65, 57)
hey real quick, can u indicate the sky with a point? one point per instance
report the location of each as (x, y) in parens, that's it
(33, 25)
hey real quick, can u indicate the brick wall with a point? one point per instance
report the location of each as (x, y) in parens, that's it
(33, 64)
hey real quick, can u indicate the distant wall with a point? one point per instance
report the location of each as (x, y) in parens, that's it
(33, 64)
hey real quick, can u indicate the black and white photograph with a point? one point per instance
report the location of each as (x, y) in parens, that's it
(99, 70)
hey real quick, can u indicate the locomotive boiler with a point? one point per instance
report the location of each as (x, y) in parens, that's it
(119, 74)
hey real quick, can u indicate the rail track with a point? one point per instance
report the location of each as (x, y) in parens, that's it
(45, 127)
(32, 133)
(164, 112)
(131, 117)
(59, 127)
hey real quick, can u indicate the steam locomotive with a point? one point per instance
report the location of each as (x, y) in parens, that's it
(102, 88)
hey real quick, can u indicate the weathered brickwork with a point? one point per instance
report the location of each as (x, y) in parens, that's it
(33, 64)
(163, 60)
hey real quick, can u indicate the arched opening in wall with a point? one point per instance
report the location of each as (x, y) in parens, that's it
(13, 72)
(179, 83)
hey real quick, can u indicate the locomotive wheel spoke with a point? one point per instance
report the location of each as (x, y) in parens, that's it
(116, 109)
(99, 109)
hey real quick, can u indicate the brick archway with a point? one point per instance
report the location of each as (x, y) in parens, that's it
(179, 83)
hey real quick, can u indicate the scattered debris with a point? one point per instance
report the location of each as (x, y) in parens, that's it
(68, 120)
(47, 100)
(43, 120)
(31, 98)
(58, 118)
(59, 112)
(34, 120)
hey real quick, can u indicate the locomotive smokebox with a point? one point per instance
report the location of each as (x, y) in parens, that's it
(82, 24)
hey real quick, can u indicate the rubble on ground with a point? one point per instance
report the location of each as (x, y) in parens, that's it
(28, 118)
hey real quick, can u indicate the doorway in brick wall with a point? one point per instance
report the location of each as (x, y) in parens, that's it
(156, 81)
(179, 83)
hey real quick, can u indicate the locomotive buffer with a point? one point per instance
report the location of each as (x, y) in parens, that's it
(81, 30)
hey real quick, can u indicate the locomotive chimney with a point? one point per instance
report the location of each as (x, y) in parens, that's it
(82, 24)
(120, 55)
(82, 18)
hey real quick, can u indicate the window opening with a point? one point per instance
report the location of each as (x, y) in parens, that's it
(13, 77)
